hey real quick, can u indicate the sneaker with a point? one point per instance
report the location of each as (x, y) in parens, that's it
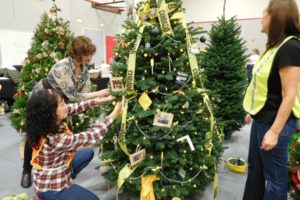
(26, 180)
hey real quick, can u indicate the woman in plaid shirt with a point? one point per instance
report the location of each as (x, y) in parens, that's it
(70, 77)
(54, 145)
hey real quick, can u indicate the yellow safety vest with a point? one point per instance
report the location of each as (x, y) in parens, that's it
(36, 151)
(256, 94)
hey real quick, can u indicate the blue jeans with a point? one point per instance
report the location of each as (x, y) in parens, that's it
(267, 170)
(249, 72)
(80, 161)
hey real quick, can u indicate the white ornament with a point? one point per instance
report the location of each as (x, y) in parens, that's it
(45, 44)
(147, 45)
(187, 137)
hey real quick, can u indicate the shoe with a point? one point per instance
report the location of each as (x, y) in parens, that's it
(26, 180)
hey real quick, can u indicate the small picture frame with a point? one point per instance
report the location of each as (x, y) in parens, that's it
(181, 78)
(137, 157)
(116, 84)
(163, 119)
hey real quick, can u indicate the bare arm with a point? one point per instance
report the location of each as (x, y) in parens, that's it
(290, 78)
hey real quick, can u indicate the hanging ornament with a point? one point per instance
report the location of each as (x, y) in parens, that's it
(202, 39)
(152, 65)
(45, 44)
(154, 30)
(147, 45)
(145, 101)
(189, 141)
(154, 137)
(186, 105)
(61, 44)
(170, 62)
(153, 12)
(123, 44)
(163, 119)
(182, 173)
(195, 49)
(115, 141)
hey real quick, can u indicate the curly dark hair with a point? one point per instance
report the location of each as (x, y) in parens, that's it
(41, 118)
(81, 46)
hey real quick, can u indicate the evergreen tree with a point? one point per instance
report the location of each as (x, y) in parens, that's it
(167, 134)
(49, 44)
(294, 182)
(224, 63)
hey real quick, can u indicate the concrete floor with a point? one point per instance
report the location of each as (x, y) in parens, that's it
(231, 185)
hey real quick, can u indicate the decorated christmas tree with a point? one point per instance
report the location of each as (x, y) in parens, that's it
(224, 63)
(49, 44)
(166, 144)
(294, 166)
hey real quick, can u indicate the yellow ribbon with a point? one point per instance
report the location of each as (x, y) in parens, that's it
(164, 20)
(192, 58)
(21, 196)
(216, 185)
(122, 134)
(147, 192)
(125, 172)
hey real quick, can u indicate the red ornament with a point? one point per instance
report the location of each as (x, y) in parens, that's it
(295, 179)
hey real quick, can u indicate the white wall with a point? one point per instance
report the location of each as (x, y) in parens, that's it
(24, 15)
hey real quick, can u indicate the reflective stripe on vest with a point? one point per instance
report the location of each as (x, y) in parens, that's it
(36, 151)
(257, 91)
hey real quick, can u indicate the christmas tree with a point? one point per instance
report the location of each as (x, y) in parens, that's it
(166, 143)
(224, 63)
(49, 44)
(294, 163)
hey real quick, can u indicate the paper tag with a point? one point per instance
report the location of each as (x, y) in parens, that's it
(145, 101)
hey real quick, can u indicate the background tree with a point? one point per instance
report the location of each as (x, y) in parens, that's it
(224, 63)
(167, 134)
(49, 44)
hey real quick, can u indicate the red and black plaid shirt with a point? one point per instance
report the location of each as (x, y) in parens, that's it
(55, 175)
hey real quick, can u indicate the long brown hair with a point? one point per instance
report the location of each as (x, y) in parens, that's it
(81, 46)
(284, 21)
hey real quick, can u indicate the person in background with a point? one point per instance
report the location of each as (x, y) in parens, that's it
(70, 77)
(56, 158)
(253, 58)
(272, 102)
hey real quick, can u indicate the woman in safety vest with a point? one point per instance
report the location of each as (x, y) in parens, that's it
(54, 159)
(272, 100)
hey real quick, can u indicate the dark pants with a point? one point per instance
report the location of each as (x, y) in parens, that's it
(267, 171)
(81, 159)
(249, 72)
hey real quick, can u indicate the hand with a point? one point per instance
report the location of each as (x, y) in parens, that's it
(105, 99)
(103, 93)
(270, 140)
(248, 119)
(117, 111)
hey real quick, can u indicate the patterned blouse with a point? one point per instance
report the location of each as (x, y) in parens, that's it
(55, 175)
(62, 77)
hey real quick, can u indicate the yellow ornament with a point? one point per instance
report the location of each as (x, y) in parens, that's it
(113, 103)
(145, 55)
(152, 62)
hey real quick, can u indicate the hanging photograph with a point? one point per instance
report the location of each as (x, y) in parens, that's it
(137, 157)
(163, 119)
(116, 84)
(181, 78)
